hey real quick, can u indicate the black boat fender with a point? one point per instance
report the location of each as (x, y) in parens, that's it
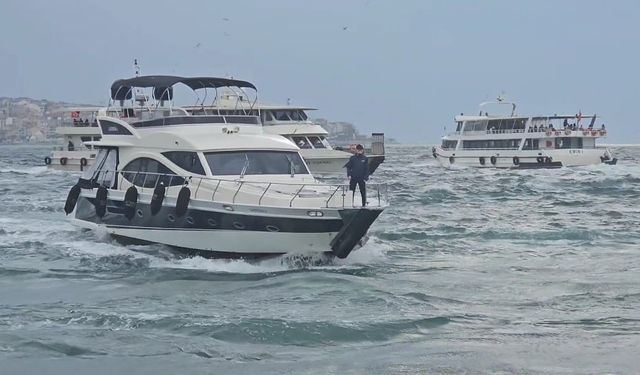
(63, 161)
(482, 161)
(72, 199)
(548, 160)
(182, 203)
(494, 160)
(130, 202)
(516, 160)
(157, 198)
(47, 160)
(101, 201)
(83, 162)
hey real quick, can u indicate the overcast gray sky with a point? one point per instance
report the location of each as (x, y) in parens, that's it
(402, 67)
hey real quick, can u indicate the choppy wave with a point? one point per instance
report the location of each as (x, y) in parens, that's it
(467, 270)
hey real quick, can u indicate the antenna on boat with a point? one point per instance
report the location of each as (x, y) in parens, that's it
(136, 67)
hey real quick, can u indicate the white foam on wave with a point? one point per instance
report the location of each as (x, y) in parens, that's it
(222, 265)
(30, 170)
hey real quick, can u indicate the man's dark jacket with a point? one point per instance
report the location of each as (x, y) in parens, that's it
(358, 167)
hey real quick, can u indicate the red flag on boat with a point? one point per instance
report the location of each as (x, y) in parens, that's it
(75, 114)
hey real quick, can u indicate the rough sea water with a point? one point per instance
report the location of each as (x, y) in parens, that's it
(469, 271)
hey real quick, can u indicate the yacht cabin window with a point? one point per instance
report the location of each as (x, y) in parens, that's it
(189, 161)
(103, 170)
(281, 116)
(266, 116)
(148, 173)
(237, 163)
(317, 142)
(301, 142)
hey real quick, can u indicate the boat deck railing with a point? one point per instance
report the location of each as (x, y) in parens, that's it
(227, 191)
(547, 131)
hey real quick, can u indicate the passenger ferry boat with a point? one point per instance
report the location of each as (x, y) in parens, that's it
(293, 123)
(80, 126)
(523, 142)
(211, 185)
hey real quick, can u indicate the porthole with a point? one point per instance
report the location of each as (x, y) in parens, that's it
(171, 218)
(139, 213)
(212, 222)
(238, 225)
(190, 220)
(272, 228)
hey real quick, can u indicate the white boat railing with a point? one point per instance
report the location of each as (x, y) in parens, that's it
(210, 189)
(546, 131)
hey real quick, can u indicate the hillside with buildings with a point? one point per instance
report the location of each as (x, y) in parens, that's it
(26, 120)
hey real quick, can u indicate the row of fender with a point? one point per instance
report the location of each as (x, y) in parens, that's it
(130, 200)
(63, 161)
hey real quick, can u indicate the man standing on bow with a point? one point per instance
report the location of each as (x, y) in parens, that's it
(358, 173)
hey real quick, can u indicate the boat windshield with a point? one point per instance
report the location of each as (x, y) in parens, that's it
(285, 115)
(230, 163)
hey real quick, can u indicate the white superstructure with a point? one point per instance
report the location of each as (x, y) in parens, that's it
(80, 127)
(514, 141)
(293, 123)
(214, 185)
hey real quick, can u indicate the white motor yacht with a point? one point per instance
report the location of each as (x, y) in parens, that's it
(211, 185)
(523, 142)
(293, 123)
(80, 126)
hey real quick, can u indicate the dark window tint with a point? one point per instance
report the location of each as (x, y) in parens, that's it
(113, 128)
(531, 144)
(266, 116)
(449, 144)
(316, 142)
(188, 161)
(148, 173)
(507, 144)
(281, 116)
(255, 162)
(301, 142)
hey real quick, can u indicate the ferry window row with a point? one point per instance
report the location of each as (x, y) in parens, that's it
(492, 144)
(496, 126)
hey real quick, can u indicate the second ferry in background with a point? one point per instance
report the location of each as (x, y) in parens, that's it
(524, 142)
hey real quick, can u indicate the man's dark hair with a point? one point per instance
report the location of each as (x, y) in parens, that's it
(359, 147)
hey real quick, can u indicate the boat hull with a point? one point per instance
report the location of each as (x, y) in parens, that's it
(525, 159)
(216, 232)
